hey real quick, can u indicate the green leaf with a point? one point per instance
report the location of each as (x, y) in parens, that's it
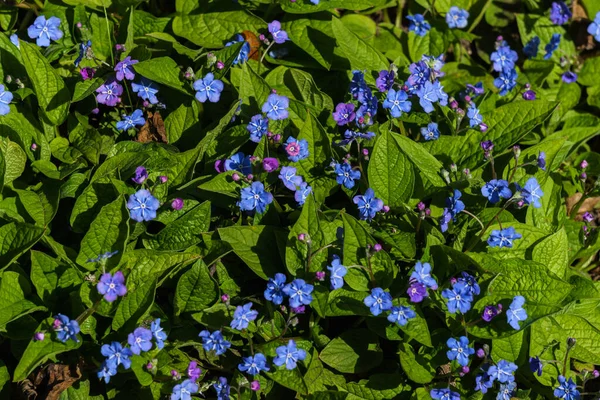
(290, 379)
(37, 352)
(304, 6)
(256, 246)
(416, 328)
(179, 48)
(12, 298)
(185, 231)
(512, 348)
(52, 94)
(387, 164)
(418, 367)
(4, 375)
(362, 56)
(355, 351)
(211, 25)
(15, 239)
(41, 205)
(313, 35)
(85, 88)
(17, 128)
(181, 120)
(588, 76)
(134, 306)
(431, 44)
(102, 29)
(14, 159)
(531, 25)
(254, 91)
(296, 252)
(428, 166)
(196, 289)
(162, 70)
(553, 252)
(148, 265)
(378, 387)
(108, 232)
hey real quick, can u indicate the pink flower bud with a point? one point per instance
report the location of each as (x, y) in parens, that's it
(277, 138)
(320, 275)
(145, 104)
(224, 298)
(453, 280)
(95, 111)
(365, 152)
(584, 164)
(386, 209)
(454, 104)
(79, 25)
(235, 177)
(177, 204)
(468, 99)
(428, 211)
(421, 206)
(38, 336)
(255, 385)
(480, 353)
(163, 179)
(261, 37)
(583, 176)
(377, 247)
(483, 127)
(274, 91)
(302, 237)
(33, 147)
(220, 65)
(120, 47)
(595, 373)
(250, 177)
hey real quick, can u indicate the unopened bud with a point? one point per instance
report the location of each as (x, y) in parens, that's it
(38, 336)
(235, 177)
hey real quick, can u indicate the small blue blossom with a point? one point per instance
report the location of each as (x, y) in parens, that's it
(483, 383)
(274, 290)
(184, 390)
(397, 102)
(130, 121)
(116, 355)
(560, 13)
(569, 77)
(358, 85)
(242, 56)
(536, 366)
(296, 149)
(106, 371)
(255, 197)
(142, 206)
(401, 315)
(279, 35)
(337, 273)
(299, 292)
(344, 113)
(289, 178)
(345, 175)
(431, 132)
(427, 96)
(457, 17)
(495, 190)
(419, 74)
(368, 204)
(65, 328)
(470, 281)
(14, 39)
(257, 127)
(289, 355)
(442, 96)
(445, 219)
(532, 193)
(503, 372)
(124, 69)
(43, 30)
(506, 81)
(505, 392)
(454, 204)
(222, 388)
(5, 99)
(516, 312)
(552, 45)
(475, 118)
(302, 193)
(254, 364)
(208, 88)
(242, 316)
(503, 238)
(459, 298)
(350, 136)
(594, 28)
(418, 24)
(158, 333)
(566, 390)
(239, 162)
(276, 107)
(531, 47)
(385, 80)
(504, 59)
(459, 350)
(422, 274)
(146, 90)
(140, 340)
(214, 342)
(476, 89)
(83, 49)
(444, 394)
(541, 161)
(378, 301)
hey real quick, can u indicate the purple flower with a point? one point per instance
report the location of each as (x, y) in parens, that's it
(279, 36)
(495, 190)
(299, 309)
(559, 13)
(140, 340)
(111, 286)
(177, 204)
(489, 312)
(39, 336)
(124, 69)
(43, 30)
(109, 93)
(141, 174)
(587, 217)
(569, 77)
(270, 164)
(344, 113)
(476, 90)
(255, 385)
(417, 292)
(87, 73)
(289, 178)
(208, 88)
(529, 95)
(385, 80)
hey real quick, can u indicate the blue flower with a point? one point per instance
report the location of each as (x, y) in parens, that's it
(296, 149)
(142, 206)
(419, 74)
(459, 298)
(378, 301)
(495, 190)
(445, 220)
(222, 388)
(516, 312)
(302, 193)
(457, 17)
(401, 315)
(242, 56)
(385, 80)
(345, 175)
(5, 99)
(459, 350)
(566, 389)
(83, 49)
(368, 204)
(418, 24)
(552, 45)
(422, 274)
(503, 238)
(559, 13)
(239, 162)
(442, 97)
(435, 65)
(338, 271)
(242, 316)
(358, 85)
(541, 161)
(506, 81)
(43, 30)
(454, 204)
(257, 127)
(475, 117)
(158, 333)
(65, 328)
(184, 390)
(299, 292)
(289, 178)
(208, 88)
(146, 90)
(351, 136)
(214, 342)
(255, 197)
(274, 291)
(129, 121)
(444, 394)
(116, 354)
(476, 89)
(427, 96)
(106, 371)
(276, 107)
(109, 93)
(289, 355)
(140, 340)
(279, 36)
(532, 193)
(397, 102)
(431, 132)
(531, 47)
(471, 282)
(594, 28)
(14, 39)
(483, 383)
(536, 366)
(569, 77)
(124, 68)
(344, 113)
(506, 391)
(504, 59)
(503, 372)
(254, 364)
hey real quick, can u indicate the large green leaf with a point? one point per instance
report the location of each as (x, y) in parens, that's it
(185, 231)
(305, 6)
(361, 55)
(15, 239)
(553, 252)
(196, 289)
(134, 305)
(13, 161)
(41, 205)
(162, 70)
(313, 35)
(418, 367)
(354, 351)
(13, 303)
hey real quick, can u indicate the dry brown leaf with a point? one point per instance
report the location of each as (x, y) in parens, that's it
(50, 381)
(588, 205)
(153, 130)
(254, 43)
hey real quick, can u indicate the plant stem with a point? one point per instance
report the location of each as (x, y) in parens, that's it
(84, 315)
(266, 51)
(108, 34)
(474, 217)
(480, 16)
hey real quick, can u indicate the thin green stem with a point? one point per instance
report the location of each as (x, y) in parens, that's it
(474, 217)
(84, 315)
(266, 51)
(480, 16)
(108, 34)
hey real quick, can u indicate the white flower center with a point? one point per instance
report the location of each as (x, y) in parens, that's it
(111, 286)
